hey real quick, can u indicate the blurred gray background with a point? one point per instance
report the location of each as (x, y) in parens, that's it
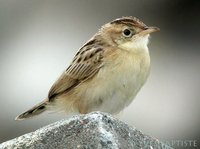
(38, 39)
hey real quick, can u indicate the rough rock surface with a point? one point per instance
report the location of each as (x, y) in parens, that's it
(92, 131)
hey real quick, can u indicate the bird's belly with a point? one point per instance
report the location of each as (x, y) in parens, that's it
(114, 89)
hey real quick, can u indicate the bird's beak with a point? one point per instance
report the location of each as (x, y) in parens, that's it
(148, 30)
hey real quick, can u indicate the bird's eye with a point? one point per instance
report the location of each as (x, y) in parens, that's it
(127, 33)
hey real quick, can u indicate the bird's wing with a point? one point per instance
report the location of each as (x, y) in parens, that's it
(86, 63)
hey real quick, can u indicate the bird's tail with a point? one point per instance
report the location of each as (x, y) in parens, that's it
(36, 110)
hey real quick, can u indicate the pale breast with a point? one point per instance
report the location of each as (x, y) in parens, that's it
(116, 84)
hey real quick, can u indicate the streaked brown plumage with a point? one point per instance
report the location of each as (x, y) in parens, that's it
(108, 69)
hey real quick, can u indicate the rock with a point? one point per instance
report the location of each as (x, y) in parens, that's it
(91, 131)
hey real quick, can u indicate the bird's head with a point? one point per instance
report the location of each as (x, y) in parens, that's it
(127, 33)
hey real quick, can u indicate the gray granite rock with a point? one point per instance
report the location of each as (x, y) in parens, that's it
(92, 131)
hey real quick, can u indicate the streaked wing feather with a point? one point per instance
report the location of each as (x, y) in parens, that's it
(85, 64)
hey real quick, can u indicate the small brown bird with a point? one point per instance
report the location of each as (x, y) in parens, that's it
(106, 73)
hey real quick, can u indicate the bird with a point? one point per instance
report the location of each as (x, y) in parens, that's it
(105, 74)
